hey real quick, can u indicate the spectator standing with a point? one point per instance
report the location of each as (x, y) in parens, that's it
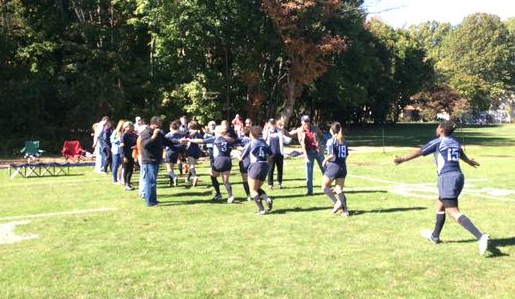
(310, 139)
(152, 142)
(128, 142)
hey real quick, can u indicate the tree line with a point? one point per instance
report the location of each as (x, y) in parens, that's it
(67, 63)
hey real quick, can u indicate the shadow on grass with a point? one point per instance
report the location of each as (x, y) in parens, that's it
(493, 245)
(391, 210)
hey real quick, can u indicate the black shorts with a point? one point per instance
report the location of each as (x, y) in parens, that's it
(171, 157)
(221, 164)
(258, 171)
(244, 166)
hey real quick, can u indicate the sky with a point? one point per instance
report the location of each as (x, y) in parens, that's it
(403, 13)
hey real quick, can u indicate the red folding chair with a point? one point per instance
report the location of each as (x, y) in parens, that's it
(72, 150)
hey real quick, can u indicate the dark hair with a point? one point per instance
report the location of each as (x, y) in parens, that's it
(174, 125)
(256, 131)
(448, 127)
(155, 120)
(337, 130)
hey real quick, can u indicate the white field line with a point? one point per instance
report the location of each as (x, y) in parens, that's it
(429, 190)
(44, 215)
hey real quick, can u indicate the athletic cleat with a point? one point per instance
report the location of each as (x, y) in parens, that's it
(195, 181)
(337, 206)
(483, 244)
(230, 199)
(261, 213)
(249, 198)
(345, 214)
(269, 203)
(271, 187)
(280, 186)
(217, 197)
(427, 234)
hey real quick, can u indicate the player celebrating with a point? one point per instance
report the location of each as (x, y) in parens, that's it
(336, 168)
(447, 153)
(258, 151)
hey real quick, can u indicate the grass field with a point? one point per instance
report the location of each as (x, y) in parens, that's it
(87, 238)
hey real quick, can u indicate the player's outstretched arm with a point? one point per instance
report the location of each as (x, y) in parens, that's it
(470, 162)
(414, 154)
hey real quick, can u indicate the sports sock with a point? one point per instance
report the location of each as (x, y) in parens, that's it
(468, 225)
(330, 194)
(343, 200)
(216, 185)
(228, 188)
(440, 221)
(246, 187)
(258, 202)
(263, 194)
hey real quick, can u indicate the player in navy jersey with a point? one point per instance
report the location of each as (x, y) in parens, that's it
(244, 164)
(258, 151)
(336, 168)
(222, 147)
(172, 153)
(447, 152)
(275, 139)
(193, 153)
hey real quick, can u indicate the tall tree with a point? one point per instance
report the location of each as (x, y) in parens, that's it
(308, 42)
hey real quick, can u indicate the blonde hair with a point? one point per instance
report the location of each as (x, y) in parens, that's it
(119, 127)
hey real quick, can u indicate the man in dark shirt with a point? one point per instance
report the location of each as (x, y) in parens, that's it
(152, 143)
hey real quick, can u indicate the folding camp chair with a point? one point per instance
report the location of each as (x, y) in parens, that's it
(31, 150)
(72, 150)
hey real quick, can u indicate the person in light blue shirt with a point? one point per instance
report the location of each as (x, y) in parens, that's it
(447, 153)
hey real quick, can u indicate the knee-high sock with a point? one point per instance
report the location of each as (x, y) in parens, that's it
(246, 187)
(440, 221)
(329, 192)
(192, 172)
(343, 200)
(228, 188)
(468, 225)
(263, 194)
(216, 185)
(258, 202)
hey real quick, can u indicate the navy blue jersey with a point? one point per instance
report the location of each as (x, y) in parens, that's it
(221, 147)
(193, 149)
(171, 136)
(447, 152)
(339, 150)
(257, 150)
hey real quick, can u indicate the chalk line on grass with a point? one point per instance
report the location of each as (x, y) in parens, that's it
(7, 235)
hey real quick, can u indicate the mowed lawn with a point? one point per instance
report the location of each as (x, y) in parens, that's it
(88, 238)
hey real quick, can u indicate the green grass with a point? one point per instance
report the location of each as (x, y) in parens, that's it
(191, 247)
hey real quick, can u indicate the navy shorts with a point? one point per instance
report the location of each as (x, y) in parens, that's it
(221, 164)
(244, 166)
(258, 171)
(450, 185)
(335, 171)
(171, 157)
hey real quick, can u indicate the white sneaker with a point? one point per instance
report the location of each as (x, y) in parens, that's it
(345, 214)
(230, 199)
(261, 213)
(337, 206)
(427, 234)
(249, 198)
(483, 244)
